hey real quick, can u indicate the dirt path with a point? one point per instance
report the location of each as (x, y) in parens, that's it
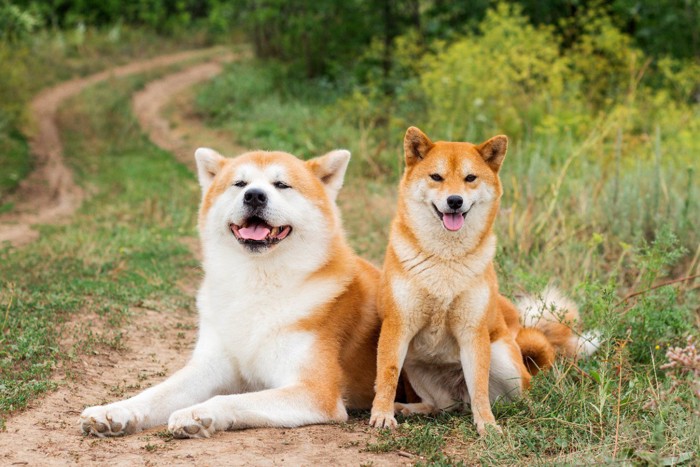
(149, 104)
(49, 194)
(156, 344)
(181, 132)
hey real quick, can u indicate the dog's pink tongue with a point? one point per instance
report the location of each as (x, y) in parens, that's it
(453, 221)
(256, 232)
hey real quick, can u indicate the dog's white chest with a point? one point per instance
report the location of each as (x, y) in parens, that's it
(443, 280)
(259, 332)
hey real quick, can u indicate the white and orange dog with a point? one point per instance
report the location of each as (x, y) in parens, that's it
(287, 318)
(444, 320)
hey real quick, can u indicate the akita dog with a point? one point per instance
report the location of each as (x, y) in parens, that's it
(444, 320)
(288, 326)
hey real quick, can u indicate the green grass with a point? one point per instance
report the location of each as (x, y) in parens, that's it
(566, 217)
(14, 161)
(51, 56)
(121, 250)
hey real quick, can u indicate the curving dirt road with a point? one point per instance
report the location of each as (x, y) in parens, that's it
(149, 103)
(156, 344)
(50, 194)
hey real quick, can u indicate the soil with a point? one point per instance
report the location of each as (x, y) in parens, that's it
(155, 343)
(179, 134)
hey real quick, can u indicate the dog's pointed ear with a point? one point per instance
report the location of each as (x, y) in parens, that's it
(415, 146)
(209, 162)
(493, 151)
(330, 168)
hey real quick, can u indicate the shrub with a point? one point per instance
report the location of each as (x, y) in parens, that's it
(505, 78)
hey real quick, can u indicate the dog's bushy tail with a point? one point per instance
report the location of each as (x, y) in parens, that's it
(538, 353)
(550, 322)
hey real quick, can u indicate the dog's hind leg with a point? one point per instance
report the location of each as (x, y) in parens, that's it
(289, 406)
(507, 373)
(439, 388)
(206, 375)
(414, 408)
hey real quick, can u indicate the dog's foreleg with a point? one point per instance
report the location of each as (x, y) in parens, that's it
(475, 356)
(290, 406)
(393, 344)
(203, 377)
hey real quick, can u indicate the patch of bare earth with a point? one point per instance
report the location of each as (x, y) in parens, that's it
(155, 344)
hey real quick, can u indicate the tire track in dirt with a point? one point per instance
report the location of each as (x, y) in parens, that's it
(49, 194)
(157, 343)
(149, 103)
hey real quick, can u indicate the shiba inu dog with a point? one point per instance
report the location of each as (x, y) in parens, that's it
(444, 320)
(288, 326)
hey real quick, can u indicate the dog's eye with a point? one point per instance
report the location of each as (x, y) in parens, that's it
(470, 178)
(240, 184)
(436, 177)
(281, 185)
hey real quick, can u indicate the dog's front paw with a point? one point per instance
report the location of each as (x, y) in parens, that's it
(110, 420)
(192, 422)
(484, 427)
(381, 419)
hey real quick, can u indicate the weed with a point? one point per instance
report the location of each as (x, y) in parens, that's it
(165, 435)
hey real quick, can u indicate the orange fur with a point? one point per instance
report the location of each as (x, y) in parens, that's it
(288, 324)
(438, 296)
(346, 328)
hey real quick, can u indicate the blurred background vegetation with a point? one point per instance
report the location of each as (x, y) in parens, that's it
(600, 99)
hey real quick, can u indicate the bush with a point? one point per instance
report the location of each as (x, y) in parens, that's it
(504, 79)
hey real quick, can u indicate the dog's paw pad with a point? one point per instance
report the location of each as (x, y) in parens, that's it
(104, 421)
(190, 423)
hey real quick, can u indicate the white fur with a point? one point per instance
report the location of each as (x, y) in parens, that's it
(588, 343)
(443, 275)
(553, 306)
(504, 378)
(246, 369)
(337, 165)
(433, 237)
(207, 166)
(550, 305)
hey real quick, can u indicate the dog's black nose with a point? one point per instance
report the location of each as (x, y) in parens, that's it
(255, 198)
(454, 201)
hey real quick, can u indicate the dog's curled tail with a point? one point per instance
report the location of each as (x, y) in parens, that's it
(550, 321)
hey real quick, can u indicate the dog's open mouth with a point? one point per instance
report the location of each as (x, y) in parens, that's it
(452, 221)
(255, 232)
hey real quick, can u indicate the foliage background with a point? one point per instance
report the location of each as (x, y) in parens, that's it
(600, 99)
